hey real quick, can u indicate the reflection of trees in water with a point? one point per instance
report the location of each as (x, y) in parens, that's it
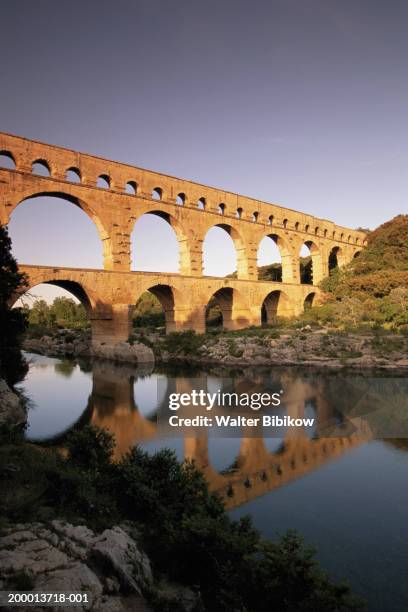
(65, 368)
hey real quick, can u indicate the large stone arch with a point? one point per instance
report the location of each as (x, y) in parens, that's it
(240, 245)
(176, 311)
(318, 268)
(286, 253)
(103, 232)
(275, 304)
(235, 311)
(190, 254)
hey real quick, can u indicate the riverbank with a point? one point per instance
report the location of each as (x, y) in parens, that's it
(258, 346)
(144, 531)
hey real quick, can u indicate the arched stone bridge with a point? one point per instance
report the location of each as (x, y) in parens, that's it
(116, 195)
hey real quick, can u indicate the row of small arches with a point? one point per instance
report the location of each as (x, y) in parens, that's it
(41, 167)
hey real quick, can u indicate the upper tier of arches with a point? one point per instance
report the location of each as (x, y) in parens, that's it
(65, 165)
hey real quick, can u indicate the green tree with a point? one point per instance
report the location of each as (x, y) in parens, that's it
(12, 320)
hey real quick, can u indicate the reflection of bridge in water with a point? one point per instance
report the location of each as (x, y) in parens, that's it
(256, 470)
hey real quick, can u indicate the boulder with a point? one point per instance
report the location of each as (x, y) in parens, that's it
(12, 410)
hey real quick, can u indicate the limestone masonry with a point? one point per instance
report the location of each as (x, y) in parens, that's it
(191, 209)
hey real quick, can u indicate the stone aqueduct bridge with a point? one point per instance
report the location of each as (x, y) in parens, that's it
(191, 209)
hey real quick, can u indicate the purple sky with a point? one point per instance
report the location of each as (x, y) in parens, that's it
(302, 103)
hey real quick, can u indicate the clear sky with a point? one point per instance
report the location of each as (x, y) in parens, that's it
(299, 102)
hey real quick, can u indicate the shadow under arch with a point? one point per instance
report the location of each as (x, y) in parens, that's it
(229, 301)
(103, 234)
(309, 263)
(85, 296)
(275, 304)
(170, 299)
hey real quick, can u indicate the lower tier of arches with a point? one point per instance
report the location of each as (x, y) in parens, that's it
(110, 298)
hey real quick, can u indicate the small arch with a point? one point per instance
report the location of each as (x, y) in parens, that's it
(73, 175)
(7, 160)
(325, 233)
(41, 167)
(221, 208)
(255, 216)
(103, 181)
(357, 240)
(157, 193)
(270, 219)
(341, 236)
(239, 213)
(201, 203)
(349, 238)
(274, 305)
(307, 227)
(309, 300)
(131, 188)
(356, 254)
(285, 223)
(334, 234)
(333, 258)
(181, 199)
(297, 225)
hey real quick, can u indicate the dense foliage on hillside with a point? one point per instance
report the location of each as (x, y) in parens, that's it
(373, 289)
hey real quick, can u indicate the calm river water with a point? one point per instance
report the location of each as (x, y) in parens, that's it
(348, 495)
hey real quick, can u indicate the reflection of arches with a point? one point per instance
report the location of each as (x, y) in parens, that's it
(52, 205)
(158, 227)
(276, 304)
(309, 300)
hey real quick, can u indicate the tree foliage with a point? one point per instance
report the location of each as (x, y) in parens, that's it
(12, 320)
(183, 527)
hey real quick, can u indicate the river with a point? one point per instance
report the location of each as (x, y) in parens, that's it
(341, 485)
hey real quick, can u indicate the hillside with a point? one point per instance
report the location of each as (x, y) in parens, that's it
(371, 291)
(380, 268)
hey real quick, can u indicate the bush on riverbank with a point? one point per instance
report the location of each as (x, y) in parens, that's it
(182, 527)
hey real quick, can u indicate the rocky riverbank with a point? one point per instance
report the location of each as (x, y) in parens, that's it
(109, 567)
(12, 410)
(260, 347)
(68, 343)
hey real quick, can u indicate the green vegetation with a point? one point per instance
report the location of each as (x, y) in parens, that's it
(12, 321)
(63, 312)
(372, 291)
(182, 527)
